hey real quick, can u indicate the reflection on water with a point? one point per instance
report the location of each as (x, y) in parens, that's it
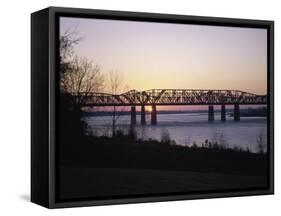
(189, 128)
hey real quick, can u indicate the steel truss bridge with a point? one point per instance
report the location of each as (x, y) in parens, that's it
(172, 97)
(157, 97)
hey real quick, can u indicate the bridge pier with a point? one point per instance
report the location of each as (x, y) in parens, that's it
(236, 113)
(133, 115)
(211, 113)
(143, 115)
(223, 112)
(153, 115)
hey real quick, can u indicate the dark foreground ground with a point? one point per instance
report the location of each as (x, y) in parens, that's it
(121, 166)
(97, 183)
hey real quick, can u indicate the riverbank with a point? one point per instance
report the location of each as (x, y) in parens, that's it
(124, 166)
(124, 151)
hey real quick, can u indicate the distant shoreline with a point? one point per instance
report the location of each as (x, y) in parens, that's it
(246, 112)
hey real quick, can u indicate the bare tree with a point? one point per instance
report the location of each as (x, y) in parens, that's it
(84, 78)
(77, 74)
(223, 141)
(261, 142)
(67, 42)
(188, 141)
(79, 77)
(116, 86)
(165, 136)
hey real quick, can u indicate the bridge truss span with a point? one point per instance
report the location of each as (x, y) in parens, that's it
(171, 97)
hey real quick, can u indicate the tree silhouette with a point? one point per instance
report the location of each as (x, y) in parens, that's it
(78, 75)
(82, 78)
(261, 142)
(116, 86)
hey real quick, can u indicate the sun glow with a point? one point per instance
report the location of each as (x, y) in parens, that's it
(175, 55)
(149, 109)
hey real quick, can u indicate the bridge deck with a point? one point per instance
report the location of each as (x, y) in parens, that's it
(170, 97)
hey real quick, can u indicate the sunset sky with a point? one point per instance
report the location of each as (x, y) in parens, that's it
(156, 55)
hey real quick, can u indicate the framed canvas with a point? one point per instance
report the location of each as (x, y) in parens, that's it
(139, 107)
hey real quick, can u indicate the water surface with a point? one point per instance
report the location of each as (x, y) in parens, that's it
(190, 128)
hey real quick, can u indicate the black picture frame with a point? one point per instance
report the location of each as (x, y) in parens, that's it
(44, 99)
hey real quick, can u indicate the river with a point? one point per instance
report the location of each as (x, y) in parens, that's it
(190, 128)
